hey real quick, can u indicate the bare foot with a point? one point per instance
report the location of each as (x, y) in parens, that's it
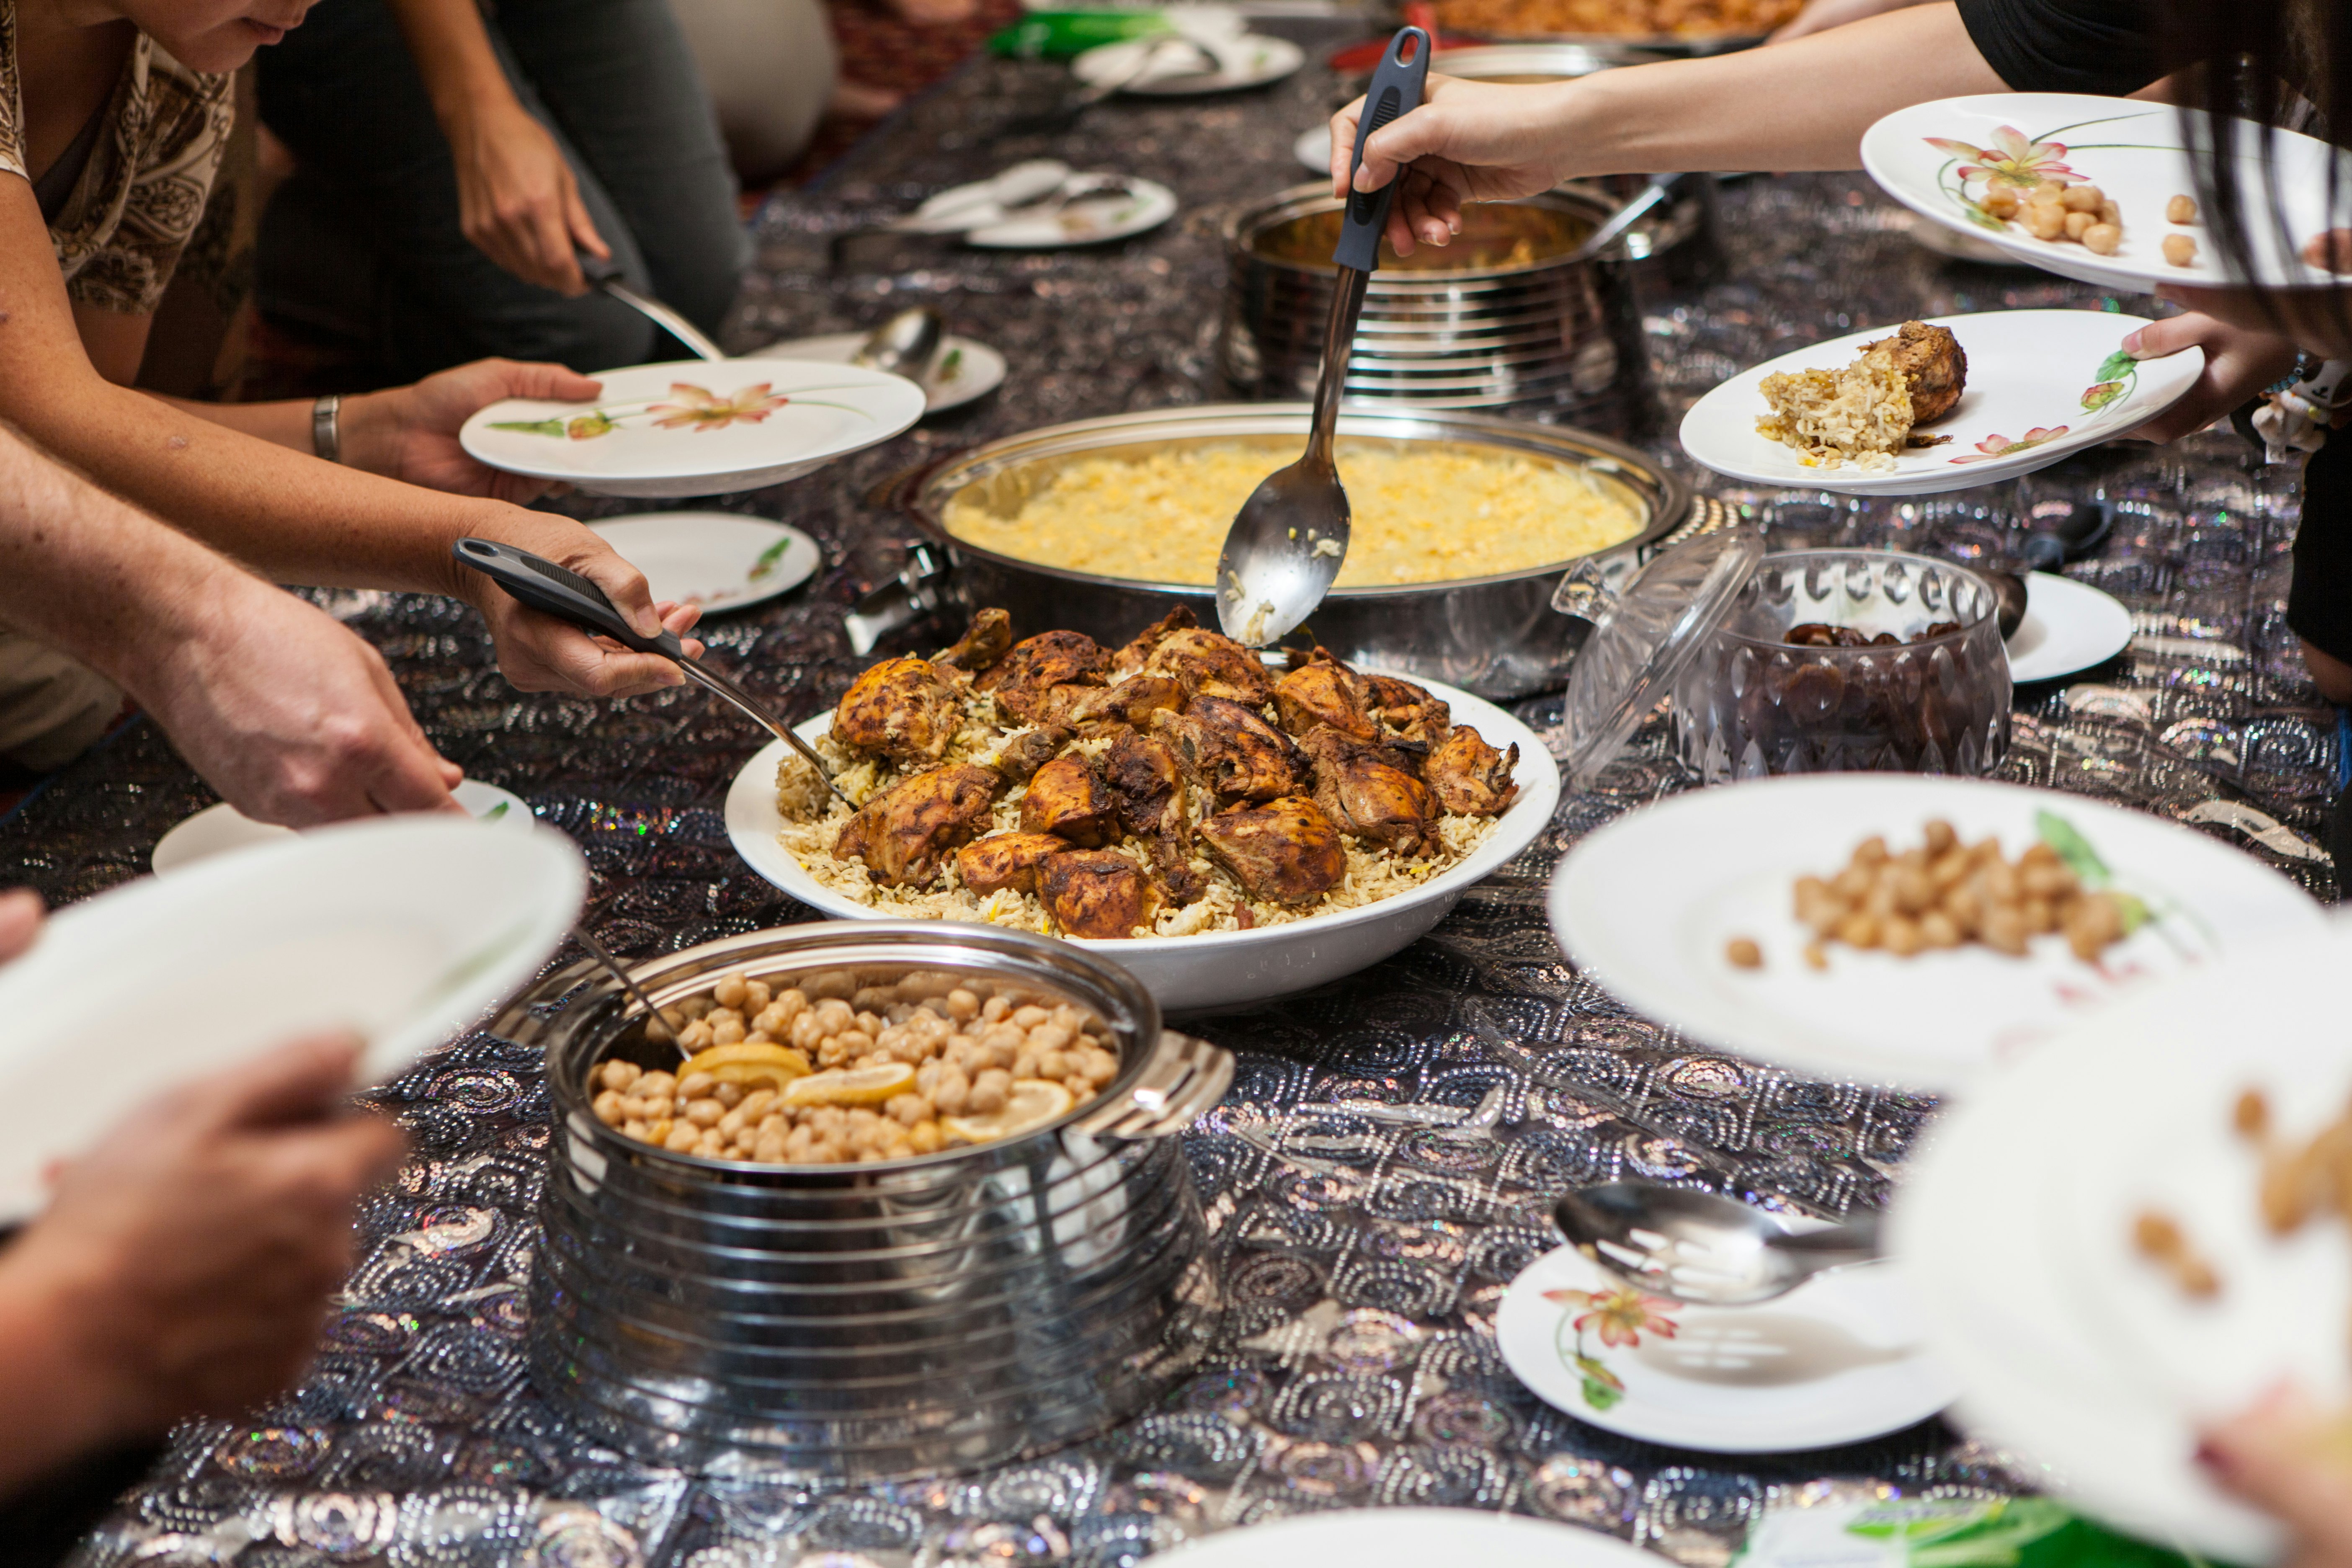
(855, 101)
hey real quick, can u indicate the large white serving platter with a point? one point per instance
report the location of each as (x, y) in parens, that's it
(1838, 1360)
(1217, 969)
(403, 929)
(1647, 904)
(2031, 373)
(1409, 1538)
(827, 411)
(2131, 150)
(2015, 1222)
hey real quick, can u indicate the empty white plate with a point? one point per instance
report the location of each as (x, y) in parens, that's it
(2068, 626)
(966, 368)
(720, 560)
(1252, 59)
(218, 829)
(403, 929)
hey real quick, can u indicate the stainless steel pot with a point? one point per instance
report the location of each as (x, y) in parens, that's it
(1536, 328)
(861, 1322)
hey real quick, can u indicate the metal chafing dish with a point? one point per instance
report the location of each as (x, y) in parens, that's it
(1498, 637)
(864, 1321)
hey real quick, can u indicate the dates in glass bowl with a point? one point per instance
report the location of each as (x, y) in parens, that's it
(1849, 661)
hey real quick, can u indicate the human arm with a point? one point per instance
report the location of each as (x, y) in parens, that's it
(2294, 1460)
(518, 199)
(1821, 16)
(2239, 362)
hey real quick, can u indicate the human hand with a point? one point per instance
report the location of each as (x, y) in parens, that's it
(20, 922)
(1469, 142)
(2292, 1459)
(1821, 16)
(410, 433)
(2316, 321)
(2238, 364)
(538, 653)
(291, 716)
(518, 199)
(184, 1264)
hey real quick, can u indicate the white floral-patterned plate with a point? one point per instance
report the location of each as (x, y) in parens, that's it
(1408, 1538)
(2041, 385)
(221, 829)
(1647, 905)
(1126, 209)
(1938, 159)
(1835, 1361)
(966, 369)
(2068, 627)
(721, 561)
(695, 427)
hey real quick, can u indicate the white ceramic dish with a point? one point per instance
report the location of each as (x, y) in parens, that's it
(403, 930)
(1409, 1538)
(1251, 60)
(1217, 969)
(1087, 220)
(721, 560)
(966, 369)
(219, 829)
(697, 427)
(2068, 627)
(2041, 385)
(2132, 151)
(1647, 904)
(2068, 1347)
(1313, 148)
(1835, 1361)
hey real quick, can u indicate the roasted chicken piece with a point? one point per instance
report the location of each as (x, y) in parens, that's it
(1369, 795)
(1407, 712)
(1069, 799)
(982, 643)
(1470, 777)
(1933, 362)
(1096, 893)
(1023, 755)
(904, 833)
(1210, 664)
(1229, 751)
(1005, 860)
(1286, 849)
(902, 709)
(1321, 690)
(1141, 772)
(1130, 659)
(1023, 677)
(1131, 702)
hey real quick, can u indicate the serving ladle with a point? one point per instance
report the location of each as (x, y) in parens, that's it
(1707, 1250)
(562, 593)
(1285, 548)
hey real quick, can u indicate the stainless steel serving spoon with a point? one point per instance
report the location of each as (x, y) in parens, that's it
(1706, 1250)
(1286, 545)
(904, 345)
(654, 1019)
(605, 274)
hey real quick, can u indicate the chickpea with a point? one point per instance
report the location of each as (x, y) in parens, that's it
(1912, 891)
(658, 1130)
(833, 1016)
(2041, 916)
(800, 1145)
(607, 1107)
(732, 1123)
(1937, 929)
(729, 1095)
(705, 1112)
(2001, 202)
(1902, 936)
(695, 1085)
(619, 1075)
(2004, 930)
(696, 1037)
(2079, 223)
(994, 1009)
(696, 1007)
(1851, 884)
(682, 1139)
(2045, 220)
(925, 1138)
(907, 1110)
(1939, 838)
(1871, 850)
(2112, 214)
(990, 1090)
(2082, 198)
(962, 1005)
(729, 992)
(757, 1104)
(771, 1150)
(1859, 930)
(807, 1032)
(637, 1130)
(657, 1083)
(2181, 209)
(712, 1147)
(728, 1031)
(2179, 249)
(1101, 1066)
(953, 1092)
(1049, 1037)
(756, 997)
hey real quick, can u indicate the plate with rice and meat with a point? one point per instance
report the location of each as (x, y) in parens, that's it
(1947, 403)
(1226, 828)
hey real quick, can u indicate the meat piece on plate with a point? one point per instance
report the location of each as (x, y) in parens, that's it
(1470, 777)
(905, 833)
(1023, 755)
(1369, 795)
(1286, 849)
(1210, 664)
(902, 709)
(982, 643)
(1322, 691)
(1024, 677)
(1141, 772)
(1229, 750)
(1129, 702)
(1406, 712)
(1933, 362)
(1005, 860)
(1098, 893)
(1069, 799)
(1131, 659)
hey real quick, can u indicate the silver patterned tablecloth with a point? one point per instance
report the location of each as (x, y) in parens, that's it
(1362, 1255)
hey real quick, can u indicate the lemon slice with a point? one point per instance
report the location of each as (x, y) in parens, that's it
(852, 1086)
(1034, 1103)
(778, 1076)
(746, 1051)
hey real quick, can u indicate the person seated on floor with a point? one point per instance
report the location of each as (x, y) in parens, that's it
(120, 109)
(442, 189)
(185, 1264)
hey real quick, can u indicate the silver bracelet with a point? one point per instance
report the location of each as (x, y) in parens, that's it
(327, 427)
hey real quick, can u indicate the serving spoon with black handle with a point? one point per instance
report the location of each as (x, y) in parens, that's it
(562, 593)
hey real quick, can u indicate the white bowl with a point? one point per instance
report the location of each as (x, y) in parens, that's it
(1224, 968)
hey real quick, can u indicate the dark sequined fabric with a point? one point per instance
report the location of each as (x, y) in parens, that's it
(1362, 1259)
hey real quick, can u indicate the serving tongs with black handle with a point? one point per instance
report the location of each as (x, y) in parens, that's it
(562, 593)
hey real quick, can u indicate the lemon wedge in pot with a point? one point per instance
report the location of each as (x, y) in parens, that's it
(1034, 1102)
(852, 1086)
(745, 1053)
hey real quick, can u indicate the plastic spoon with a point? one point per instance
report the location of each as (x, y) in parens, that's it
(1286, 546)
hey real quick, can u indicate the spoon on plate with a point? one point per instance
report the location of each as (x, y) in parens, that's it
(1707, 1250)
(904, 345)
(1285, 548)
(562, 593)
(605, 274)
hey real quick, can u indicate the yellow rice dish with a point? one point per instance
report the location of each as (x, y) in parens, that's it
(1421, 513)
